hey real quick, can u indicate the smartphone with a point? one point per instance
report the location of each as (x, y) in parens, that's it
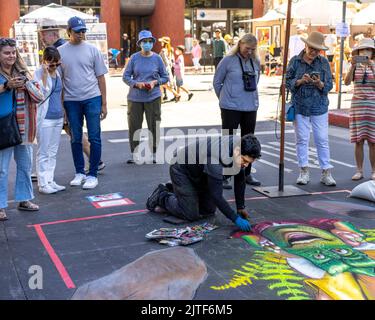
(315, 74)
(361, 59)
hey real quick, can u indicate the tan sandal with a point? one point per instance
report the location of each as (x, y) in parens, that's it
(3, 216)
(28, 206)
(357, 176)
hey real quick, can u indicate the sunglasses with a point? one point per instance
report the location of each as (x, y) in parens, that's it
(58, 64)
(313, 49)
(80, 31)
(7, 42)
(148, 41)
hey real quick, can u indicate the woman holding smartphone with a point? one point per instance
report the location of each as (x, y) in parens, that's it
(309, 79)
(13, 96)
(362, 111)
(50, 120)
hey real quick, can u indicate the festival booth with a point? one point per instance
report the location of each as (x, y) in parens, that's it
(27, 35)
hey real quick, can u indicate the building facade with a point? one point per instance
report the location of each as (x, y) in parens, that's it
(181, 20)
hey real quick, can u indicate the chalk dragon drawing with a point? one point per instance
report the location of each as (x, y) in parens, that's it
(317, 259)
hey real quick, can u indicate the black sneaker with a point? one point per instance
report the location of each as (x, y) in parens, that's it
(252, 181)
(190, 96)
(34, 177)
(227, 184)
(153, 199)
(101, 165)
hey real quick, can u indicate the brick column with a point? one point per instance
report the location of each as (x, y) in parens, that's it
(258, 7)
(110, 14)
(9, 13)
(168, 20)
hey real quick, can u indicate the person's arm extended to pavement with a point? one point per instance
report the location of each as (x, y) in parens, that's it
(239, 189)
(215, 187)
(103, 91)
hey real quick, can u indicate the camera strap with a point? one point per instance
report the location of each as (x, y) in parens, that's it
(251, 61)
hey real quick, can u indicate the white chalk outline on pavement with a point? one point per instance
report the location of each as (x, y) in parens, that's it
(182, 136)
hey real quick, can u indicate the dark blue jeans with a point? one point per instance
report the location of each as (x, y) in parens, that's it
(90, 109)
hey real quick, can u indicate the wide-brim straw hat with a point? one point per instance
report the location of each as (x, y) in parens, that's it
(315, 40)
(365, 43)
(165, 39)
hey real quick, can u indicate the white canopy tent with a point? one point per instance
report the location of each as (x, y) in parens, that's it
(271, 15)
(54, 14)
(316, 12)
(365, 16)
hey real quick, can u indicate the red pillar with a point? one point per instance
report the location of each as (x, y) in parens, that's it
(258, 7)
(168, 20)
(110, 14)
(9, 13)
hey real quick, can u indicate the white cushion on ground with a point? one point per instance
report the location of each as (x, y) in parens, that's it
(364, 190)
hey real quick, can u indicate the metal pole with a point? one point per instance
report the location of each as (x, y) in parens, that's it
(341, 55)
(283, 97)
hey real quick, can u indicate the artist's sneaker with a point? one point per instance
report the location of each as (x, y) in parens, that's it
(101, 165)
(153, 199)
(304, 176)
(90, 183)
(47, 189)
(327, 178)
(79, 178)
(56, 186)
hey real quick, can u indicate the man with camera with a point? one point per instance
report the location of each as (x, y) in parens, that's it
(309, 79)
(235, 83)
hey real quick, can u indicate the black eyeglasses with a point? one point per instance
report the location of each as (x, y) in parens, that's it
(7, 42)
(80, 31)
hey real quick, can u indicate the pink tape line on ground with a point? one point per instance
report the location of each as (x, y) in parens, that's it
(55, 259)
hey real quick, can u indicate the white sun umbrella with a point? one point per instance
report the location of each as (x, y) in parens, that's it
(365, 16)
(271, 15)
(59, 15)
(317, 12)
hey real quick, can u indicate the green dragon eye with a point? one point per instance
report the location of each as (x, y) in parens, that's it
(341, 251)
(319, 256)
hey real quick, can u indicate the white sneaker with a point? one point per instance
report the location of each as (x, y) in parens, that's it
(56, 186)
(79, 178)
(327, 178)
(304, 176)
(91, 183)
(47, 189)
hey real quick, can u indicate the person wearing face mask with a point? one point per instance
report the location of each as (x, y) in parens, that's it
(362, 111)
(238, 100)
(144, 74)
(309, 79)
(197, 189)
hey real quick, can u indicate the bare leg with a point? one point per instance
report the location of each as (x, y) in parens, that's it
(359, 155)
(372, 155)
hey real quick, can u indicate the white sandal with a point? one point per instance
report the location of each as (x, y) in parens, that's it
(358, 176)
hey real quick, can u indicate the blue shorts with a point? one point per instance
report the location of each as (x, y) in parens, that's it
(179, 82)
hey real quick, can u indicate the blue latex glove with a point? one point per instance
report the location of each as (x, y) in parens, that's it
(243, 224)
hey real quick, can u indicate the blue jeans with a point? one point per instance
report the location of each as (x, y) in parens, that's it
(23, 155)
(90, 109)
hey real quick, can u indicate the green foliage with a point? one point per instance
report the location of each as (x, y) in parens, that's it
(369, 235)
(269, 266)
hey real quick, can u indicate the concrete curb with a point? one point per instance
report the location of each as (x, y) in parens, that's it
(339, 118)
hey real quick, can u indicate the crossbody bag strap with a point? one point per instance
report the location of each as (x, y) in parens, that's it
(52, 91)
(251, 61)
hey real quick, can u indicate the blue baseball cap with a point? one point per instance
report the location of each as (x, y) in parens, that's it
(145, 34)
(76, 24)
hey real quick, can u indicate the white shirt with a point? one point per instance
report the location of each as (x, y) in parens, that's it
(296, 45)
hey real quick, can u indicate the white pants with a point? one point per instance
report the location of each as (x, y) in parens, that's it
(48, 137)
(319, 124)
(196, 63)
